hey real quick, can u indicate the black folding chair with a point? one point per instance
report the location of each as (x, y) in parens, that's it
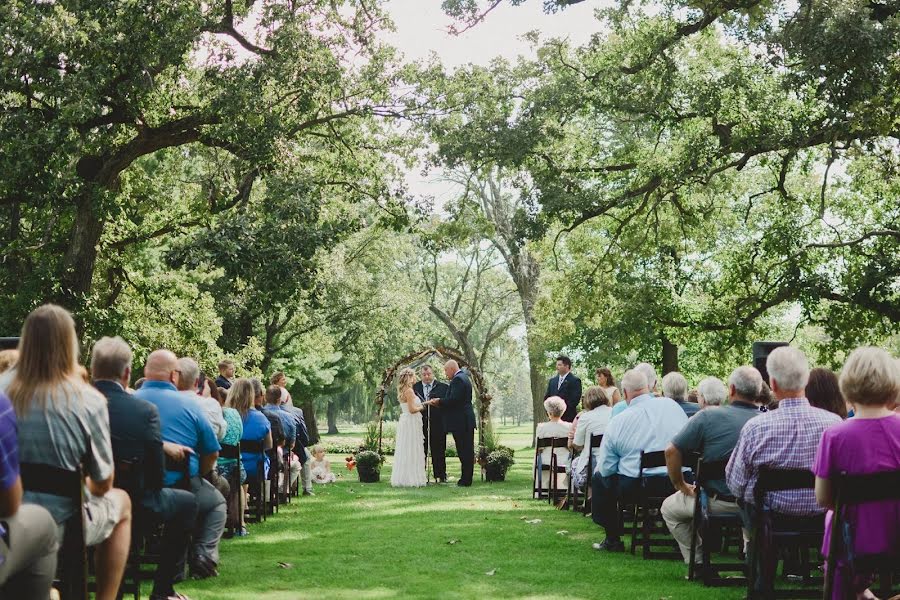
(235, 501)
(705, 524)
(774, 532)
(256, 483)
(72, 560)
(274, 470)
(144, 526)
(184, 468)
(557, 469)
(285, 490)
(854, 490)
(595, 442)
(652, 533)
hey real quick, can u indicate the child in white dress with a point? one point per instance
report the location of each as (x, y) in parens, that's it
(320, 468)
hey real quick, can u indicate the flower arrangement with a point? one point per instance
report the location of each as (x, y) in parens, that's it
(351, 462)
(368, 466)
(498, 462)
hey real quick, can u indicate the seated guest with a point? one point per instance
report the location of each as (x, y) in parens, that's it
(7, 359)
(650, 374)
(225, 466)
(63, 423)
(302, 441)
(823, 391)
(786, 438)
(714, 434)
(190, 385)
(28, 543)
(257, 427)
(226, 374)
(592, 421)
(605, 380)
(273, 406)
(711, 392)
(675, 387)
(648, 425)
(183, 422)
(555, 427)
(136, 436)
(867, 443)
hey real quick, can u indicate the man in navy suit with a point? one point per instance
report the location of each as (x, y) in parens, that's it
(566, 386)
(136, 437)
(459, 418)
(435, 435)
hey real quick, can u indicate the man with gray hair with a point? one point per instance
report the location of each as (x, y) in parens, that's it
(190, 385)
(675, 386)
(136, 436)
(647, 426)
(786, 438)
(649, 374)
(713, 434)
(711, 392)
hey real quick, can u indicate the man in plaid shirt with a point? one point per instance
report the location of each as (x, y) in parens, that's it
(786, 438)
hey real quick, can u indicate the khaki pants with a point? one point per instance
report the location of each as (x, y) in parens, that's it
(29, 559)
(678, 513)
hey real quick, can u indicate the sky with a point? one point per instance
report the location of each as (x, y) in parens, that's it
(422, 29)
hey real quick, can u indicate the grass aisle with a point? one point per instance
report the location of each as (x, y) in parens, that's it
(357, 540)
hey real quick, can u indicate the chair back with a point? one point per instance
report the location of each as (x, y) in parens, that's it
(252, 447)
(707, 471)
(184, 468)
(72, 555)
(130, 476)
(596, 440)
(850, 490)
(230, 452)
(652, 460)
(780, 480)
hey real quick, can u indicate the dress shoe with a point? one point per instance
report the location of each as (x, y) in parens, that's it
(462, 483)
(609, 545)
(308, 493)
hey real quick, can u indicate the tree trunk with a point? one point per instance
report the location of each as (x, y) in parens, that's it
(331, 416)
(669, 356)
(309, 414)
(81, 256)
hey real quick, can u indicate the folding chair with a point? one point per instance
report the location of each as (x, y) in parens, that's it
(256, 484)
(72, 560)
(274, 470)
(557, 469)
(773, 531)
(595, 442)
(234, 502)
(285, 488)
(705, 523)
(652, 533)
(129, 476)
(542, 465)
(853, 490)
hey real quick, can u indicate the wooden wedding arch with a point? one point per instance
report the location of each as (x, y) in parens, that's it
(418, 358)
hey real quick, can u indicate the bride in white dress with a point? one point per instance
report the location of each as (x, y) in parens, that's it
(409, 450)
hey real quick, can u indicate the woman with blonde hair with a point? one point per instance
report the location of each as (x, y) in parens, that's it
(409, 449)
(63, 423)
(866, 444)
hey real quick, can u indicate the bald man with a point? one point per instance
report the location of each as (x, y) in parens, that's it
(182, 421)
(459, 418)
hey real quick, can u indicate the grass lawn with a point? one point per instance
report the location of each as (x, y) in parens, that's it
(357, 540)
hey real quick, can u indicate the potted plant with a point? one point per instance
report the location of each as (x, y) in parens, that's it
(497, 463)
(368, 465)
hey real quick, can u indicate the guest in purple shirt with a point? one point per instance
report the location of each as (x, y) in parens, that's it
(868, 443)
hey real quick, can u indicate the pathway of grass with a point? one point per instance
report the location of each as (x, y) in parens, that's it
(371, 541)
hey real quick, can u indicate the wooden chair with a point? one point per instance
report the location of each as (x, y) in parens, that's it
(273, 496)
(557, 469)
(773, 532)
(72, 560)
(652, 533)
(234, 502)
(705, 523)
(145, 527)
(853, 490)
(285, 490)
(545, 465)
(258, 510)
(595, 442)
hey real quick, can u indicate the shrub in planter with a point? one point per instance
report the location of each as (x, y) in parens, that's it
(498, 463)
(368, 465)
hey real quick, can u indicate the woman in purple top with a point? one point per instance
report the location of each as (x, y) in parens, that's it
(868, 443)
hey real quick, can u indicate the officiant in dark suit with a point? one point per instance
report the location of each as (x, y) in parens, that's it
(433, 432)
(565, 385)
(459, 418)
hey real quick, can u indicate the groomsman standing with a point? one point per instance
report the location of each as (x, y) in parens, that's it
(565, 385)
(433, 432)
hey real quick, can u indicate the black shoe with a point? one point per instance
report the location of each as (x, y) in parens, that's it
(203, 568)
(462, 483)
(609, 545)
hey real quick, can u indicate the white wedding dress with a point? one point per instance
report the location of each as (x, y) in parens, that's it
(409, 450)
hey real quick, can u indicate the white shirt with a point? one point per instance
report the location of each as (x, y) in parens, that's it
(213, 412)
(592, 422)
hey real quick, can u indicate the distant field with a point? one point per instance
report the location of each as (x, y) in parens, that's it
(516, 437)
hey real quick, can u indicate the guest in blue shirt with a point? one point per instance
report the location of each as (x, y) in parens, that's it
(182, 422)
(256, 426)
(648, 425)
(289, 422)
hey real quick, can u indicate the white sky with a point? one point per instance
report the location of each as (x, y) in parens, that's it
(422, 28)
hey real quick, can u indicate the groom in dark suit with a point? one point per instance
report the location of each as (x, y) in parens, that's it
(566, 386)
(433, 430)
(459, 418)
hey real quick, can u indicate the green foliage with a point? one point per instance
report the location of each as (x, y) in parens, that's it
(369, 460)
